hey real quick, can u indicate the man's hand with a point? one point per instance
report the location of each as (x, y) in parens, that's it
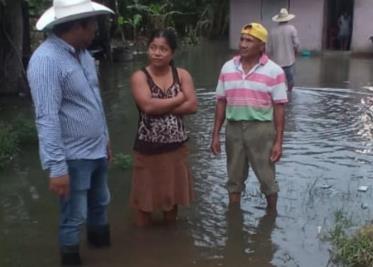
(215, 145)
(109, 153)
(276, 152)
(60, 185)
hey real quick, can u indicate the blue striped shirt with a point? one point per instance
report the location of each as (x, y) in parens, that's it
(68, 109)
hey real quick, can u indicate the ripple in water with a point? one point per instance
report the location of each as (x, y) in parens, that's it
(328, 140)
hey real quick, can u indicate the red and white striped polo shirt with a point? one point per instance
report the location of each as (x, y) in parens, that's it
(251, 96)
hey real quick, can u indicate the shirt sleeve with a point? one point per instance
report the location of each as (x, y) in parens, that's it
(43, 77)
(295, 38)
(279, 89)
(94, 72)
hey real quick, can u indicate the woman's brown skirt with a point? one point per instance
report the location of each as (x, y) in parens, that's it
(161, 181)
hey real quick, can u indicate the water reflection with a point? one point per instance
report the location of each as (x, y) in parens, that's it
(332, 78)
(249, 246)
(327, 156)
(322, 167)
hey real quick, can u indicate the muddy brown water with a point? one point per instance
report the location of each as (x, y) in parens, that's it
(327, 156)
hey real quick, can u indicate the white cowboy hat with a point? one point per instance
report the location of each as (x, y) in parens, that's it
(283, 16)
(68, 10)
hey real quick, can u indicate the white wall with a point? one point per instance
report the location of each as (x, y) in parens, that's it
(362, 26)
(271, 8)
(241, 12)
(309, 22)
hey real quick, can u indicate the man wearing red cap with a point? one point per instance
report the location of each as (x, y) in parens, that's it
(250, 95)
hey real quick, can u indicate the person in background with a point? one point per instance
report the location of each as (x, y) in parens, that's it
(251, 94)
(163, 94)
(283, 45)
(344, 30)
(73, 135)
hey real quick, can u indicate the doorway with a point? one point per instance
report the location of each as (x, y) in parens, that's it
(339, 18)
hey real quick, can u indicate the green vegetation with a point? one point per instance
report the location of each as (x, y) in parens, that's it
(8, 145)
(208, 18)
(22, 131)
(132, 23)
(351, 250)
(191, 19)
(123, 161)
(36, 7)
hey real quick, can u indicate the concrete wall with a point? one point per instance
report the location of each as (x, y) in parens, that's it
(362, 26)
(242, 12)
(309, 22)
(271, 8)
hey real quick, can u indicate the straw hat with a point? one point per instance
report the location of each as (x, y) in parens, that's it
(283, 16)
(68, 10)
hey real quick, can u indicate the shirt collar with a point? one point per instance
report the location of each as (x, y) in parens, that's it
(63, 44)
(262, 60)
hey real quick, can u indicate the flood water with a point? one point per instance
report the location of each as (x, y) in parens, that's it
(327, 155)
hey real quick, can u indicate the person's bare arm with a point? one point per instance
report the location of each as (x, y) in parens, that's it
(218, 123)
(279, 121)
(154, 106)
(187, 87)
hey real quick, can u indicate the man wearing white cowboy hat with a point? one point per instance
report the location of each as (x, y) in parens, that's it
(283, 44)
(73, 135)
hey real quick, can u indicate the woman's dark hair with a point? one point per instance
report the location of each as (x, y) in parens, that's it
(168, 34)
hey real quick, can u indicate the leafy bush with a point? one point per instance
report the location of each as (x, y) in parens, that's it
(37, 7)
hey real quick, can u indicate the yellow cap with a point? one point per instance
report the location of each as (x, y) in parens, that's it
(257, 30)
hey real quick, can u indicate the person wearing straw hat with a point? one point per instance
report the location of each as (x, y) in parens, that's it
(73, 134)
(283, 44)
(250, 95)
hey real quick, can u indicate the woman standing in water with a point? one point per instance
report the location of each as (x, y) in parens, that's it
(163, 94)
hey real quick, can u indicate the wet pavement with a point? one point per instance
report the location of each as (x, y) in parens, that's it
(327, 156)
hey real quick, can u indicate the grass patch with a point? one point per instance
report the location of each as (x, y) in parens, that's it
(351, 249)
(21, 131)
(8, 145)
(123, 161)
(25, 130)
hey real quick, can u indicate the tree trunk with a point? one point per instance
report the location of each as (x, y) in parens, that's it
(12, 74)
(104, 30)
(26, 34)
